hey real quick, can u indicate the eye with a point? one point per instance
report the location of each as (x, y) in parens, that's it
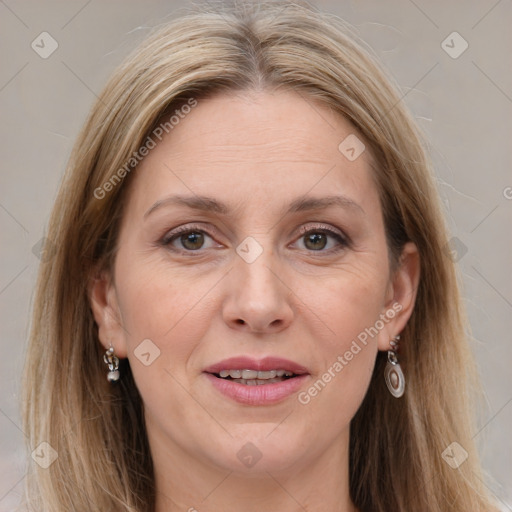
(321, 239)
(188, 238)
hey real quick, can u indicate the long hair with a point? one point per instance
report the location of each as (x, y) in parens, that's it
(396, 446)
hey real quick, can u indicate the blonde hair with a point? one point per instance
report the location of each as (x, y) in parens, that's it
(395, 445)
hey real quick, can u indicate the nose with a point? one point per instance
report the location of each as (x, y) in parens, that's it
(258, 300)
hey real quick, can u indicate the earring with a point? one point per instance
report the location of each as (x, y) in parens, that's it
(393, 374)
(112, 362)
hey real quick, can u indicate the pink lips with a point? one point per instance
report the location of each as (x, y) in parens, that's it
(264, 394)
(261, 365)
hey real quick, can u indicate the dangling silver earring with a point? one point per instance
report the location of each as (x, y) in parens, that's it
(112, 362)
(393, 374)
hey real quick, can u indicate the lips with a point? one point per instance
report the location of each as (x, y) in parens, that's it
(260, 365)
(257, 381)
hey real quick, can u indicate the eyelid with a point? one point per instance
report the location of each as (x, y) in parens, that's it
(326, 228)
(305, 228)
(342, 238)
(168, 237)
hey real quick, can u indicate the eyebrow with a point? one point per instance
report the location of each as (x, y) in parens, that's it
(205, 203)
(313, 203)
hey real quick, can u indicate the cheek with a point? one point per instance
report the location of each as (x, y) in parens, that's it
(349, 300)
(173, 313)
(155, 298)
(350, 307)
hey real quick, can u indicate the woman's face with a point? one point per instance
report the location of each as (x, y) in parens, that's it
(249, 232)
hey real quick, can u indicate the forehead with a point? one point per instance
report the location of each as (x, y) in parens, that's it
(255, 145)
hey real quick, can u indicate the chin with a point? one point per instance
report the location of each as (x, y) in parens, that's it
(259, 451)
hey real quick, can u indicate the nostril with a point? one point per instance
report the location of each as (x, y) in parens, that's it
(240, 322)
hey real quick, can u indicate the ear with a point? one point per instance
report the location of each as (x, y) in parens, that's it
(105, 308)
(401, 295)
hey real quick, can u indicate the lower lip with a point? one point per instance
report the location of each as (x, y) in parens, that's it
(263, 394)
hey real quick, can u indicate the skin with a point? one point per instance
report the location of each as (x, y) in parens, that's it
(257, 152)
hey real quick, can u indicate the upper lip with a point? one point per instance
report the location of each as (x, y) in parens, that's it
(249, 363)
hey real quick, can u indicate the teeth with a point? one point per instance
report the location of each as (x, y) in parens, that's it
(249, 374)
(267, 375)
(257, 382)
(254, 375)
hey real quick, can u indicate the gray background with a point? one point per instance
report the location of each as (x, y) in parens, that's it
(463, 104)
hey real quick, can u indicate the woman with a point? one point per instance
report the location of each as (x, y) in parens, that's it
(250, 306)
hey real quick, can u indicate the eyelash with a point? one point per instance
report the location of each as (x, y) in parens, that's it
(343, 240)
